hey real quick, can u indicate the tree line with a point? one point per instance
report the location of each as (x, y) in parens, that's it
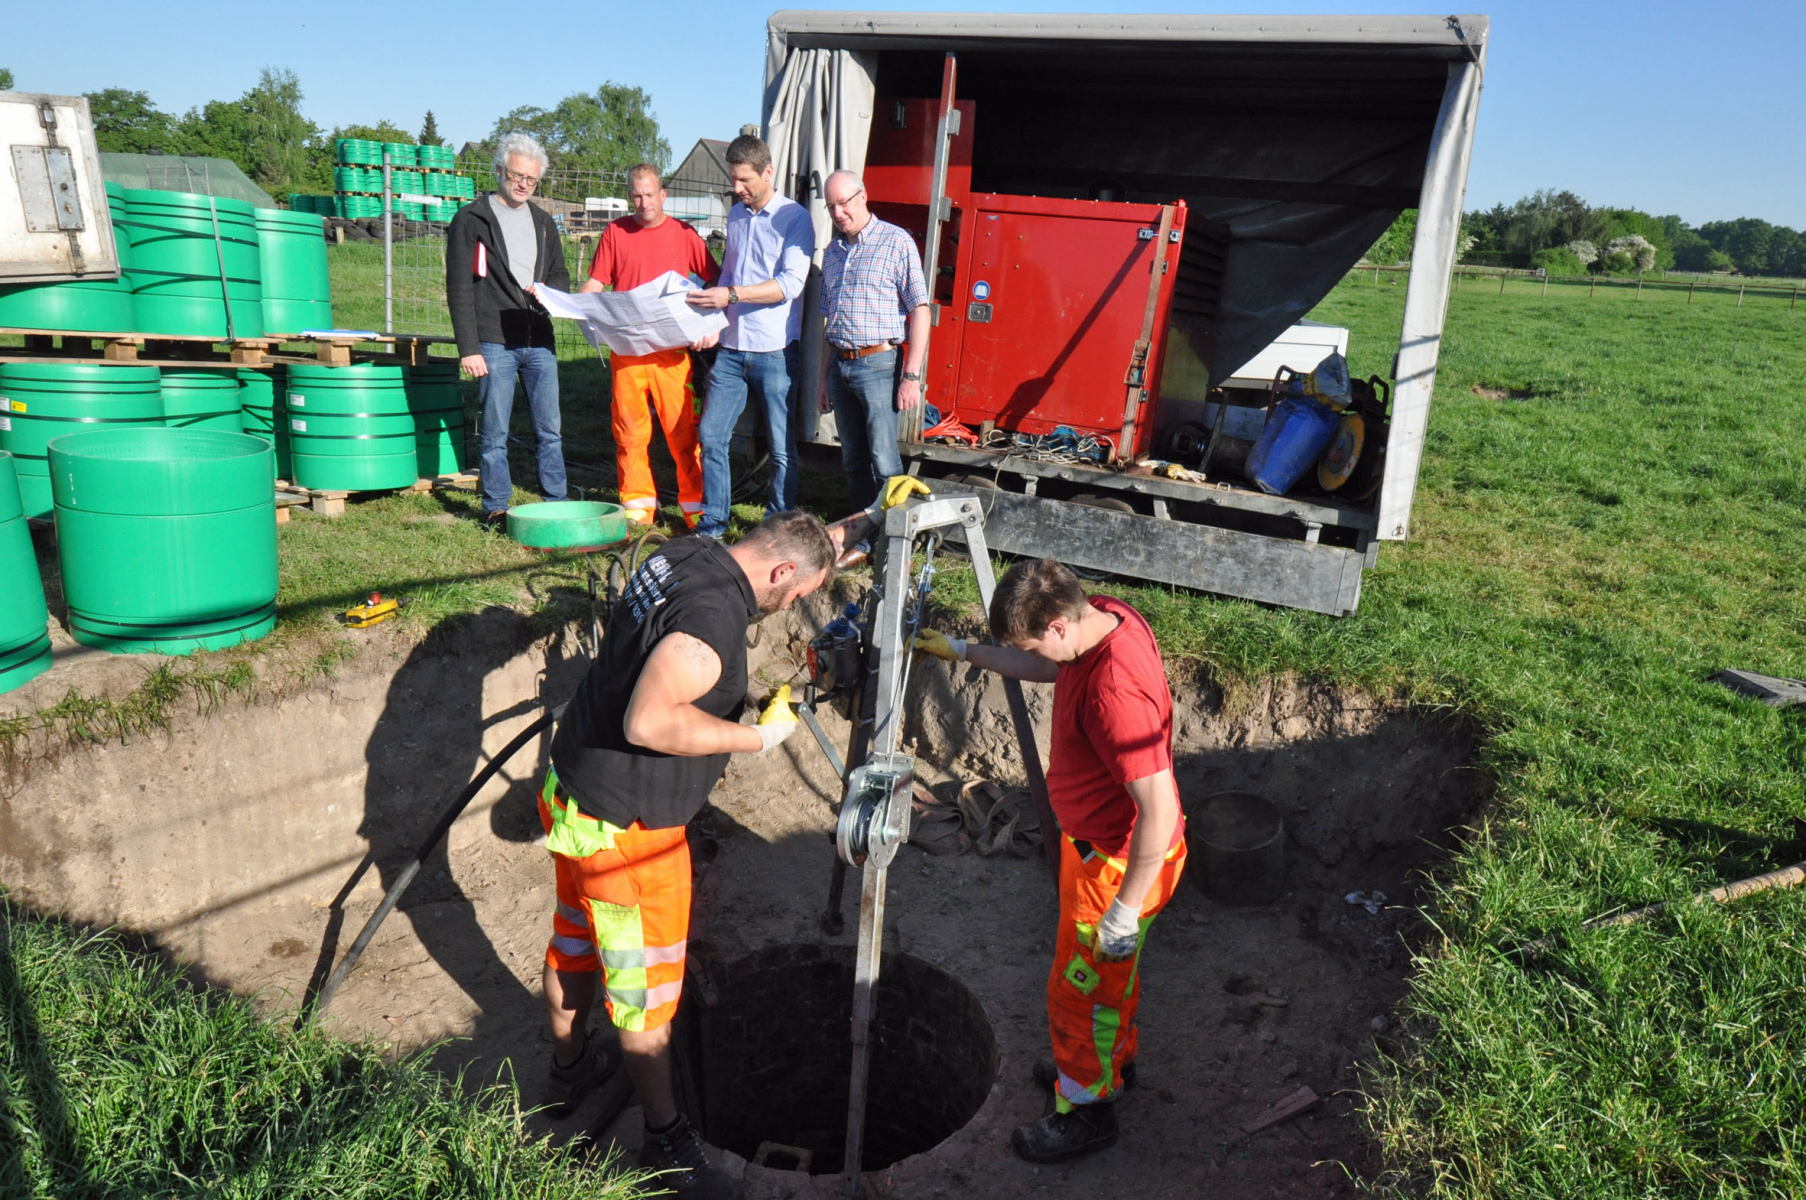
(1562, 234)
(271, 140)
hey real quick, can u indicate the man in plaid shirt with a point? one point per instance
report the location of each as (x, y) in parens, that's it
(876, 303)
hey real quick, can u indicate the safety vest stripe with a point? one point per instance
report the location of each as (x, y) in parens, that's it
(642, 999)
(575, 947)
(648, 502)
(1106, 1023)
(572, 915)
(691, 507)
(639, 960)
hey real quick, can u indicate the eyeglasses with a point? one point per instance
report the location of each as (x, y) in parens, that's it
(522, 177)
(847, 203)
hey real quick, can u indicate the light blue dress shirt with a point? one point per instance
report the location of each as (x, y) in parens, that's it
(777, 242)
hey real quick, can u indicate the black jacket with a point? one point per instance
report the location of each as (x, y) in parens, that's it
(494, 308)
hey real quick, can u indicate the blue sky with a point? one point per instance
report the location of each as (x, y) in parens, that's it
(1667, 106)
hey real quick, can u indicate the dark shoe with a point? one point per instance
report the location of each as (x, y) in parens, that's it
(1048, 1076)
(1060, 1136)
(496, 518)
(685, 1171)
(567, 1086)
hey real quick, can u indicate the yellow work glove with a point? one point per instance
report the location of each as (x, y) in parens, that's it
(777, 720)
(933, 642)
(895, 491)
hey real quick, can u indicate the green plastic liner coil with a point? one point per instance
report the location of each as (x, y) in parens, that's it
(166, 537)
(350, 428)
(201, 398)
(401, 154)
(436, 396)
(360, 150)
(260, 397)
(297, 293)
(82, 305)
(441, 158)
(40, 401)
(24, 642)
(176, 264)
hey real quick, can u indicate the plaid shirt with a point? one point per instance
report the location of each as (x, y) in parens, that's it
(870, 284)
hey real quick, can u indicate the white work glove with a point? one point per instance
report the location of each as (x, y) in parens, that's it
(895, 491)
(777, 720)
(933, 642)
(1118, 932)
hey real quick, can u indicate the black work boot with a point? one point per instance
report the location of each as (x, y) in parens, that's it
(1047, 1075)
(686, 1171)
(1064, 1135)
(567, 1086)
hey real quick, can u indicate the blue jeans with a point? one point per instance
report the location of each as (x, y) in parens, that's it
(537, 367)
(772, 373)
(864, 391)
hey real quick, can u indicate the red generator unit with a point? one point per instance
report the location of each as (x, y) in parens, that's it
(1050, 313)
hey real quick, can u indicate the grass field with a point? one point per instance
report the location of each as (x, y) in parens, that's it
(1612, 506)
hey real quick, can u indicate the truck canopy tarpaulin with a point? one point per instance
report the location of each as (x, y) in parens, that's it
(1305, 135)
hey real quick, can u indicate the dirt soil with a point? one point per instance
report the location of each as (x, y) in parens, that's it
(1241, 1006)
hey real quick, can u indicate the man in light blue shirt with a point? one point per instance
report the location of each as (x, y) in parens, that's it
(770, 243)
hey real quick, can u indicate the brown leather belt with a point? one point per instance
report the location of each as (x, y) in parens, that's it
(863, 351)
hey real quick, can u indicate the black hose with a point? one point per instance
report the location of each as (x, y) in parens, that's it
(439, 830)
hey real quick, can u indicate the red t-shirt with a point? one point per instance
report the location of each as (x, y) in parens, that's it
(1112, 723)
(630, 254)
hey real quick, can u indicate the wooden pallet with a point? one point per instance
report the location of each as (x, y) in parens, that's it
(80, 347)
(331, 503)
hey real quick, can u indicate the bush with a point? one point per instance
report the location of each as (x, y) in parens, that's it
(1558, 260)
(1639, 249)
(1616, 262)
(1584, 250)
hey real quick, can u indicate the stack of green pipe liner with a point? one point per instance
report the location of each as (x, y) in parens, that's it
(360, 151)
(166, 537)
(24, 644)
(201, 398)
(466, 187)
(350, 428)
(176, 264)
(436, 396)
(297, 293)
(44, 400)
(358, 179)
(260, 396)
(406, 181)
(411, 210)
(401, 154)
(322, 205)
(438, 158)
(360, 207)
(79, 305)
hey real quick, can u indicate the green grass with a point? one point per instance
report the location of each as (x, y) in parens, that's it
(117, 1078)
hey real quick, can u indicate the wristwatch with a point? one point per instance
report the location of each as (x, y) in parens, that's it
(912, 376)
(733, 296)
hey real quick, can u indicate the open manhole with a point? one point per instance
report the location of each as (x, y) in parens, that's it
(770, 1062)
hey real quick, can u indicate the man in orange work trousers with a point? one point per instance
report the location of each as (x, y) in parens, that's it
(638, 249)
(1122, 847)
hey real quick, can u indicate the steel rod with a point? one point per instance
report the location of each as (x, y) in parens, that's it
(388, 254)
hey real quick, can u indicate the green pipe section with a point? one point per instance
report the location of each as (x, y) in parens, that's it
(297, 292)
(24, 639)
(166, 537)
(81, 305)
(44, 400)
(350, 428)
(202, 398)
(436, 398)
(176, 264)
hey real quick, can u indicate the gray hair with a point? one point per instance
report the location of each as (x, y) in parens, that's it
(524, 145)
(843, 173)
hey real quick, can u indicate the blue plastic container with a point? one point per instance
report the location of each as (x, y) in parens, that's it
(1299, 431)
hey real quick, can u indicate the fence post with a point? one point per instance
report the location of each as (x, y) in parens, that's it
(388, 254)
(1639, 287)
(1740, 295)
(1794, 301)
(1501, 283)
(1690, 284)
(1592, 286)
(1376, 275)
(1545, 285)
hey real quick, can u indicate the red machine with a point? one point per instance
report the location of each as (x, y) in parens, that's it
(1051, 312)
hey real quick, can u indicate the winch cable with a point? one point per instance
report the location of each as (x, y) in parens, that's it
(311, 1010)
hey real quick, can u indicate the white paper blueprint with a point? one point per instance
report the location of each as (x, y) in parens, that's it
(641, 320)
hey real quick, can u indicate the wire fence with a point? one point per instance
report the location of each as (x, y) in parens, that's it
(581, 204)
(1468, 277)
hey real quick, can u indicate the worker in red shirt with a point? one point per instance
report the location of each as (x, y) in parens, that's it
(637, 249)
(1122, 846)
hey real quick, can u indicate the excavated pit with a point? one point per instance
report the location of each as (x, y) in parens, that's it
(770, 1059)
(251, 843)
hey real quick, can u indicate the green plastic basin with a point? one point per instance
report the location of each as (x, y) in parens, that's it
(296, 292)
(567, 524)
(43, 400)
(166, 537)
(201, 398)
(24, 641)
(350, 428)
(176, 264)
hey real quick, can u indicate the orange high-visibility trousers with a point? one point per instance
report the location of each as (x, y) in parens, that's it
(624, 909)
(1090, 1004)
(645, 385)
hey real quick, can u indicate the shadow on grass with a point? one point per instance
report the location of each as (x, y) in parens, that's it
(33, 1113)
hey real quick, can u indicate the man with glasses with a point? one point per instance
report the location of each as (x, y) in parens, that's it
(495, 252)
(770, 242)
(872, 295)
